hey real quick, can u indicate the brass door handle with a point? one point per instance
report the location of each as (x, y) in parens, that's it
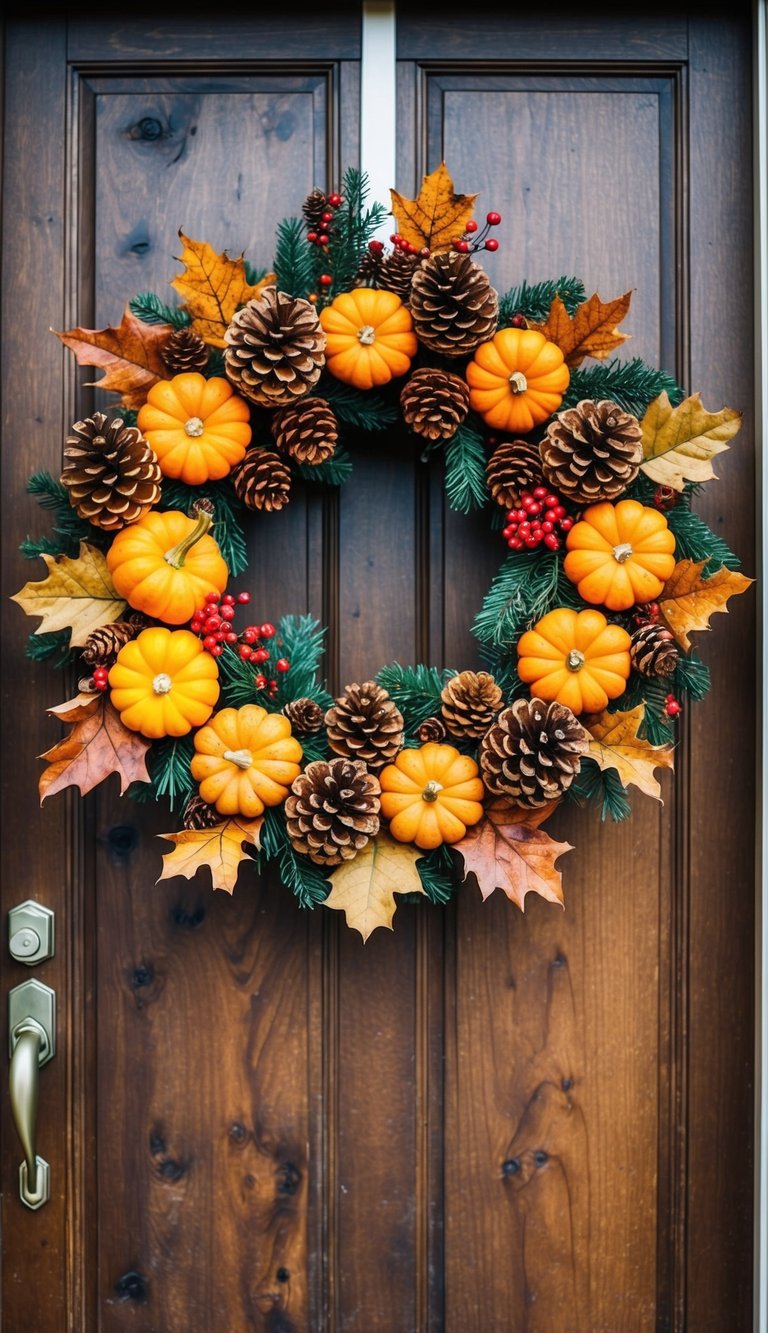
(31, 1022)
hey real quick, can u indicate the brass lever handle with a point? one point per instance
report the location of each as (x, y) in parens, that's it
(31, 1012)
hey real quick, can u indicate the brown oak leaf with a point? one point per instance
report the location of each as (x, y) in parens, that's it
(616, 744)
(591, 331)
(130, 355)
(214, 287)
(680, 442)
(97, 746)
(436, 216)
(76, 594)
(221, 848)
(365, 887)
(687, 600)
(508, 850)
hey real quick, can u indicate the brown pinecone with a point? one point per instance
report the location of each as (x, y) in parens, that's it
(185, 350)
(431, 729)
(434, 403)
(513, 467)
(396, 273)
(315, 204)
(262, 480)
(370, 267)
(471, 700)
(653, 651)
(111, 472)
(364, 723)
(305, 716)
(532, 752)
(453, 304)
(103, 644)
(275, 348)
(333, 810)
(592, 451)
(198, 814)
(307, 430)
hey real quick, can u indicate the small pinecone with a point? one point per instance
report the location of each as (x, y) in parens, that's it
(111, 472)
(532, 752)
(275, 349)
(262, 480)
(653, 651)
(198, 814)
(364, 723)
(453, 304)
(333, 810)
(307, 430)
(305, 716)
(103, 644)
(185, 351)
(513, 467)
(592, 451)
(315, 204)
(369, 269)
(396, 273)
(432, 729)
(434, 403)
(471, 701)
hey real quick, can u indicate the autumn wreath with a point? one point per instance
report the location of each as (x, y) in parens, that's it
(421, 778)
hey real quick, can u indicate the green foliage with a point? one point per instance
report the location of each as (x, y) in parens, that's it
(691, 677)
(300, 640)
(631, 384)
(227, 527)
(68, 531)
(297, 872)
(534, 301)
(415, 689)
(694, 540)
(603, 788)
(335, 471)
(215, 366)
(354, 225)
(295, 263)
(466, 487)
(656, 727)
(150, 309)
(526, 586)
(52, 647)
(367, 411)
(168, 763)
(254, 275)
(437, 874)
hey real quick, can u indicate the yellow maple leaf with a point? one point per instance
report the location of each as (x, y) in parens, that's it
(131, 356)
(214, 287)
(687, 600)
(680, 442)
(436, 216)
(220, 848)
(508, 850)
(616, 744)
(591, 331)
(365, 887)
(76, 594)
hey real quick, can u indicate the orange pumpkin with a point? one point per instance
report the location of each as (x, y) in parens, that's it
(430, 795)
(165, 565)
(576, 658)
(369, 337)
(199, 428)
(619, 555)
(246, 759)
(517, 380)
(164, 683)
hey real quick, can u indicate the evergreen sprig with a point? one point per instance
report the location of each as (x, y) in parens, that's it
(151, 309)
(367, 411)
(466, 487)
(227, 529)
(601, 787)
(295, 263)
(335, 471)
(656, 727)
(415, 690)
(437, 875)
(68, 531)
(631, 384)
(168, 763)
(300, 874)
(691, 677)
(534, 300)
(354, 225)
(52, 647)
(525, 587)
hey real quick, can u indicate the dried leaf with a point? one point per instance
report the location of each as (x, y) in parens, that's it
(97, 746)
(436, 216)
(130, 355)
(688, 600)
(213, 287)
(77, 709)
(615, 744)
(220, 848)
(680, 442)
(508, 851)
(591, 331)
(76, 594)
(364, 887)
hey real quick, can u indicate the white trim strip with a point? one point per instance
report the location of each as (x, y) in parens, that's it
(760, 49)
(377, 104)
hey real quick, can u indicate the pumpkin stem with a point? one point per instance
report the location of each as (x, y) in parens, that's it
(194, 427)
(178, 553)
(575, 660)
(517, 382)
(243, 758)
(622, 552)
(431, 790)
(366, 335)
(162, 683)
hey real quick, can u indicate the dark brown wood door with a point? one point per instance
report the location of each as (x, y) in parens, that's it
(484, 1120)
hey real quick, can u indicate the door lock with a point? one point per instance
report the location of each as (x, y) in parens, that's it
(30, 932)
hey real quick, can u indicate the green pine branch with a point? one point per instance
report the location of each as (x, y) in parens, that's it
(526, 586)
(595, 786)
(355, 223)
(51, 647)
(151, 309)
(656, 727)
(415, 690)
(68, 531)
(295, 263)
(631, 384)
(335, 471)
(168, 765)
(534, 300)
(691, 677)
(437, 874)
(466, 487)
(227, 529)
(297, 872)
(367, 411)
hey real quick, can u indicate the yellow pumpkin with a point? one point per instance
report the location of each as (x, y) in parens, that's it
(619, 555)
(245, 759)
(199, 428)
(516, 380)
(164, 683)
(369, 337)
(575, 658)
(165, 565)
(431, 795)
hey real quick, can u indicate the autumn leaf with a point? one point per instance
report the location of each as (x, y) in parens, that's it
(364, 887)
(214, 287)
(508, 851)
(97, 746)
(76, 594)
(616, 744)
(680, 442)
(687, 600)
(436, 216)
(591, 331)
(130, 355)
(220, 848)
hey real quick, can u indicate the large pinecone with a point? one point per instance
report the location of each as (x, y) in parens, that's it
(653, 651)
(365, 723)
(110, 471)
(333, 810)
(532, 752)
(453, 304)
(305, 716)
(185, 351)
(470, 702)
(262, 480)
(307, 430)
(275, 348)
(513, 467)
(592, 451)
(434, 403)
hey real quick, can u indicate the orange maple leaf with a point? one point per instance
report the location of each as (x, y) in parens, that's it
(220, 848)
(97, 746)
(130, 355)
(615, 744)
(507, 850)
(214, 287)
(436, 216)
(591, 331)
(687, 600)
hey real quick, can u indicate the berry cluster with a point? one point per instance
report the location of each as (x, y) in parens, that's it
(539, 520)
(100, 678)
(646, 613)
(213, 623)
(475, 239)
(400, 243)
(323, 236)
(672, 706)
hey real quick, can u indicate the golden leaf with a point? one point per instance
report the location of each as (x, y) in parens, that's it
(591, 331)
(508, 851)
(214, 287)
(220, 848)
(680, 442)
(436, 216)
(97, 746)
(131, 356)
(365, 887)
(615, 744)
(76, 594)
(687, 600)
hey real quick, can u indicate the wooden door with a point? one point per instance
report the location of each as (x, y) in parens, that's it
(483, 1120)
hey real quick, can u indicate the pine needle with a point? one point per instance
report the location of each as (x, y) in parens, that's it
(465, 481)
(335, 471)
(527, 585)
(631, 384)
(600, 787)
(298, 873)
(295, 259)
(415, 690)
(150, 309)
(534, 301)
(362, 411)
(437, 874)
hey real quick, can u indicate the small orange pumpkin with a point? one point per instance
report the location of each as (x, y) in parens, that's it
(575, 658)
(199, 428)
(517, 380)
(246, 759)
(369, 337)
(619, 555)
(430, 795)
(165, 565)
(164, 683)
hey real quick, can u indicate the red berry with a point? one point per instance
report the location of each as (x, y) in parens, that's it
(250, 633)
(335, 200)
(323, 238)
(195, 625)
(212, 597)
(211, 624)
(261, 655)
(282, 664)
(227, 612)
(216, 650)
(461, 246)
(267, 631)
(243, 598)
(425, 252)
(552, 541)
(327, 217)
(493, 219)
(260, 681)
(540, 493)
(227, 599)
(518, 322)
(492, 244)
(566, 524)
(471, 225)
(325, 279)
(312, 237)
(375, 247)
(245, 650)
(210, 643)
(230, 636)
